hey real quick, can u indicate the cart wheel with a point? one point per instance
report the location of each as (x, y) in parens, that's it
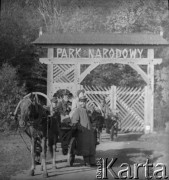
(71, 159)
(71, 152)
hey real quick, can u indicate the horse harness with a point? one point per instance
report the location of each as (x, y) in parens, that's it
(34, 121)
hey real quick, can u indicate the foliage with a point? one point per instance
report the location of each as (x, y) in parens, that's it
(10, 94)
(18, 28)
(108, 16)
(114, 74)
(162, 94)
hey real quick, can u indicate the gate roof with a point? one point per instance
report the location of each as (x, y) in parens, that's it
(101, 39)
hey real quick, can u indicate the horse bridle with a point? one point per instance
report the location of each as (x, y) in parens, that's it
(28, 95)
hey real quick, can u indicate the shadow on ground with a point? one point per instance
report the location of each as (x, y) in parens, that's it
(128, 137)
(128, 155)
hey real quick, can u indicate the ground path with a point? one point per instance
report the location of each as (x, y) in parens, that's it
(128, 148)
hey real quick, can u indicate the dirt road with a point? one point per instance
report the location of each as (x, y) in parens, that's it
(129, 148)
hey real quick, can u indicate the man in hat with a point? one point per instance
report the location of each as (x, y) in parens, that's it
(55, 100)
(85, 136)
(63, 107)
(75, 101)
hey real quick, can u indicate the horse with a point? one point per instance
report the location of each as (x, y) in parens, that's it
(114, 123)
(98, 122)
(33, 120)
(53, 134)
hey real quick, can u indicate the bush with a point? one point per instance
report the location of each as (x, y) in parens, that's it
(10, 95)
(161, 101)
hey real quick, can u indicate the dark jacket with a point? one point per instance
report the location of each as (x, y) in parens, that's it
(85, 136)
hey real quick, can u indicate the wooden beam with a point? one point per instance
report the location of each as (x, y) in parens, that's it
(150, 72)
(87, 71)
(140, 71)
(50, 74)
(113, 98)
(142, 61)
(77, 76)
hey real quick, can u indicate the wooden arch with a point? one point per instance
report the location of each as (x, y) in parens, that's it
(68, 52)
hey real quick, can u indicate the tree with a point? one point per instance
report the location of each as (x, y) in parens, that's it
(20, 24)
(137, 16)
(114, 74)
(10, 94)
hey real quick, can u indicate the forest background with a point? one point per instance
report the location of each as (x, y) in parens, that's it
(20, 22)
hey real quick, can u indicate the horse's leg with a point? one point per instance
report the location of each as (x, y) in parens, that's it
(99, 136)
(117, 129)
(95, 135)
(45, 174)
(41, 165)
(51, 148)
(112, 131)
(32, 171)
(54, 153)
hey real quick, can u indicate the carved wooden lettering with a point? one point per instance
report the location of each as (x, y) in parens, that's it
(99, 53)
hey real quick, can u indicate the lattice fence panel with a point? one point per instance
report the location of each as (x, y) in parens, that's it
(95, 94)
(130, 104)
(63, 73)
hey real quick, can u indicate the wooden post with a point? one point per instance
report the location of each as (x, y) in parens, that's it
(50, 74)
(150, 91)
(77, 76)
(146, 111)
(113, 98)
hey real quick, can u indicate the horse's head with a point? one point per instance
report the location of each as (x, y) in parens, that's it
(30, 110)
(96, 112)
(34, 99)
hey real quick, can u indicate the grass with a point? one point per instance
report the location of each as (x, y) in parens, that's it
(14, 155)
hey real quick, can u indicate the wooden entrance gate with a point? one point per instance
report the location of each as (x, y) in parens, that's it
(129, 103)
(67, 54)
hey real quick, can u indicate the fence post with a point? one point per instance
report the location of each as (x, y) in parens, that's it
(113, 98)
(150, 73)
(50, 75)
(146, 111)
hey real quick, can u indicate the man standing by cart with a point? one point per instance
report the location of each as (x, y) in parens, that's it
(63, 107)
(85, 134)
(105, 113)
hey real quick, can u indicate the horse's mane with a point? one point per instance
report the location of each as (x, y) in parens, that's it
(30, 110)
(24, 107)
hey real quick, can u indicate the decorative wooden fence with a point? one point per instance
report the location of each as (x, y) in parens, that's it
(95, 94)
(63, 73)
(128, 102)
(63, 77)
